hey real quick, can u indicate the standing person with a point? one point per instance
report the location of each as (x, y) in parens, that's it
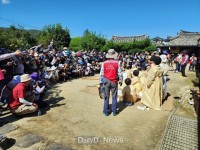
(31, 62)
(110, 75)
(165, 67)
(184, 61)
(152, 94)
(37, 49)
(193, 62)
(177, 61)
(2, 70)
(51, 45)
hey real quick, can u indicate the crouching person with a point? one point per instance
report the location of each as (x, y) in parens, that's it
(17, 103)
(129, 95)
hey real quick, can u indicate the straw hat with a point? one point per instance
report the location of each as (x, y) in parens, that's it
(65, 48)
(25, 77)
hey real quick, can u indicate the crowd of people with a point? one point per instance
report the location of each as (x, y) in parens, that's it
(37, 70)
(25, 76)
(144, 77)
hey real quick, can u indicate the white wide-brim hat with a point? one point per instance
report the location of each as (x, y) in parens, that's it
(53, 68)
(111, 54)
(25, 77)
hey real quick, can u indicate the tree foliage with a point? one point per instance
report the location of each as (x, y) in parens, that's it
(56, 32)
(135, 46)
(75, 44)
(91, 40)
(13, 38)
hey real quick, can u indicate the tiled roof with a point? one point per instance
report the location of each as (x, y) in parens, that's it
(157, 39)
(185, 38)
(129, 38)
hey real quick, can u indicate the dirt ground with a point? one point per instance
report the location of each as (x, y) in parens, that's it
(75, 113)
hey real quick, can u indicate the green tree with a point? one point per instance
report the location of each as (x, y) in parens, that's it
(56, 32)
(13, 38)
(75, 44)
(130, 47)
(2, 39)
(107, 46)
(150, 48)
(90, 40)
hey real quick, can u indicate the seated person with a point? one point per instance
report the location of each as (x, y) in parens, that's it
(38, 88)
(48, 74)
(128, 95)
(127, 74)
(89, 70)
(97, 67)
(55, 73)
(51, 74)
(130, 72)
(69, 72)
(17, 103)
(79, 71)
(62, 71)
(136, 84)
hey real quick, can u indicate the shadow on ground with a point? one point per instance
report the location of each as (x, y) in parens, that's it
(120, 106)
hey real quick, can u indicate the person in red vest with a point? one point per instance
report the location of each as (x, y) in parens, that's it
(110, 76)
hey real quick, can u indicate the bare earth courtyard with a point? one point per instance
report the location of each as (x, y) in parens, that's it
(74, 120)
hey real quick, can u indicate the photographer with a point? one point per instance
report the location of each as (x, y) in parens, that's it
(10, 55)
(31, 62)
(4, 67)
(18, 65)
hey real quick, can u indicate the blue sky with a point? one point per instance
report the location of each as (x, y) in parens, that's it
(107, 17)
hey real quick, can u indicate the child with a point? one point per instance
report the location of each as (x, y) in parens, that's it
(128, 95)
(136, 84)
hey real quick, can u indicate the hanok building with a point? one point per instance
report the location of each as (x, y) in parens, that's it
(158, 41)
(119, 39)
(183, 41)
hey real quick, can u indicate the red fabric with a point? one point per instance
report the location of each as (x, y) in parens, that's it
(168, 56)
(110, 70)
(18, 92)
(183, 58)
(1, 75)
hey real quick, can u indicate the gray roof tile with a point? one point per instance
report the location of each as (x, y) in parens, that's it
(185, 38)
